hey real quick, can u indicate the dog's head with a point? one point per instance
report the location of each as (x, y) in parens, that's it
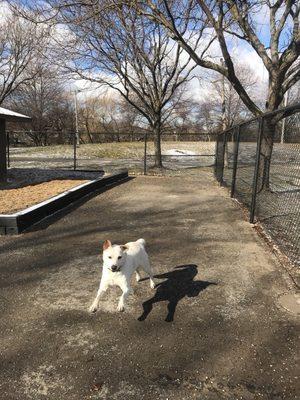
(113, 256)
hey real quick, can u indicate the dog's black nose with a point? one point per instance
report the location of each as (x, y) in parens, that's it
(114, 267)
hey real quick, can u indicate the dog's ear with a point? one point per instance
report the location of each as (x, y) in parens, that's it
(106, 244)
(124, 247)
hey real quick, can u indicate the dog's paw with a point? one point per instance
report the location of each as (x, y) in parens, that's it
(152, 284)
(120, 307)
(93, 309)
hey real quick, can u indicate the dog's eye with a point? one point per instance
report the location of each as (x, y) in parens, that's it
(119, 257)
(109, 256)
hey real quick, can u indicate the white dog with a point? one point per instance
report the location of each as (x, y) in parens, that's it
(119, 264)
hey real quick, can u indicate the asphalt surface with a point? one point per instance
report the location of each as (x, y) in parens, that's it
(212, 329)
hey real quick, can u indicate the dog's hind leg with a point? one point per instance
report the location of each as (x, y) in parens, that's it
(147, 268)
(137, 275)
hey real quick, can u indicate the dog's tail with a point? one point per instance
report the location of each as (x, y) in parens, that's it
(142, 242)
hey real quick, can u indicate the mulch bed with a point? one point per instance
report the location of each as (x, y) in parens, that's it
(17, 199)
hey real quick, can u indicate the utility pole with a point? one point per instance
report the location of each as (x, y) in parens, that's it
(76, 117)
(286, 99)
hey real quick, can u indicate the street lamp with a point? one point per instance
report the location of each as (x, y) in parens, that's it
(76, 116)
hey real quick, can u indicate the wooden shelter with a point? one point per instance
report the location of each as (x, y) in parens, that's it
(10, 116)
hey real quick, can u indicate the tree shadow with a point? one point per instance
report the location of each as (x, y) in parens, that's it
(57, 215)
(179, 284)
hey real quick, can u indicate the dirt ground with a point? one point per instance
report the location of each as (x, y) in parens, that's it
(12, 200)
(211, 330)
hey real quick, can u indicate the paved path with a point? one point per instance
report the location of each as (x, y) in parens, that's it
(224, 338)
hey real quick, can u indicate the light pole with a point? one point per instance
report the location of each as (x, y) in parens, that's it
(76, 117)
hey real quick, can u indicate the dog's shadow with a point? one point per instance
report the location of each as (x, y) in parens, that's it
(179, 284)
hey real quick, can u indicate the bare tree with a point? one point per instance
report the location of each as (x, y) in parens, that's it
(220, 21)
(183, 116)
(93, 111)
(233, 110)
(131, 119)
(102, 115)
(46, 99)
(20, 43)
(207, 118)
(112, 44)
(109, 115)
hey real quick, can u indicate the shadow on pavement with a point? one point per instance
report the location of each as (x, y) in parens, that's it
(179, 284)
(47, 221)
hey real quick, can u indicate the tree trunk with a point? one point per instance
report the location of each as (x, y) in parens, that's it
(89, 133)
(156, 128)
(267, 142)
(269, 130)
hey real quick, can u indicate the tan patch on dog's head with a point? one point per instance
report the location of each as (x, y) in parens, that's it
(124, 247)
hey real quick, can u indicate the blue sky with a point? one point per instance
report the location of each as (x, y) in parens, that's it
(240, 49)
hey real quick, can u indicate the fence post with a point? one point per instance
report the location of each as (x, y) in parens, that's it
(145, 154)
(223, 157)
(235, 159)
(216, 156)
(8, 149)
(219, 157)
(74, 151)
(256, 170)
(3, 163)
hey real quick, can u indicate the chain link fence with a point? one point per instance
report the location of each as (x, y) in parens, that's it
(34, 149)
(63, 150)
(109, 151)
(259, 160)
(181, 152)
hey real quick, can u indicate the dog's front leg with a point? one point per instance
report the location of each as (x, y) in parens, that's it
(126, 292)
(94, 306)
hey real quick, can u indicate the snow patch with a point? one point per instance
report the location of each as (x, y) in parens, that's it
(177, 152)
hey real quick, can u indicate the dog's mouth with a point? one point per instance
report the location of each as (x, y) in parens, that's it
(115, 270)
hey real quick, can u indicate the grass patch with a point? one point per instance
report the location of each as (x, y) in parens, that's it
(115, 150)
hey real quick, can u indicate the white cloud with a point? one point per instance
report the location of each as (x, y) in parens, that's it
(5, 10)
(201, 89)
(86, 88)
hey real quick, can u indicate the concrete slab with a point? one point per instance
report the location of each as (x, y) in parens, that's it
(211, 330)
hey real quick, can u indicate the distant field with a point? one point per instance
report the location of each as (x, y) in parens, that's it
(114, 150)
